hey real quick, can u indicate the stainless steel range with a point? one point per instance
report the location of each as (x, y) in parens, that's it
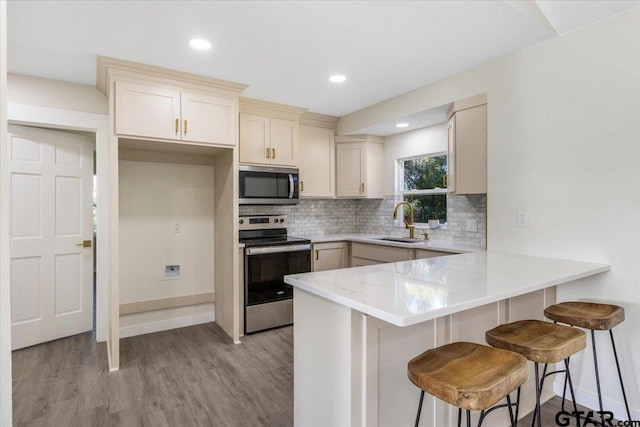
(269, 255)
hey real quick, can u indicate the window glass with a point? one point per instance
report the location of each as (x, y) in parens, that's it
(423, 184)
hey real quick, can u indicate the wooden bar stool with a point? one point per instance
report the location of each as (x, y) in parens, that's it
(468, 376)
(540, 342)
(595, 317)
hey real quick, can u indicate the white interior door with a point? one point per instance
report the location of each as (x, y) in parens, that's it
(51, 215)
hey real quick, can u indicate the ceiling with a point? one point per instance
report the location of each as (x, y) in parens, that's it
(286, 50)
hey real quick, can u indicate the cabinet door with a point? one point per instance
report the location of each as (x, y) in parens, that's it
(147, 111)
(451, 155)
(255, 139)
(209, 119)
(330, 256)
(350, 160)
(317, 162)
(471, 150)
(284, 142)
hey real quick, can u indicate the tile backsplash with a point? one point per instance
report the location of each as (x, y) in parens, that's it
(466, 218)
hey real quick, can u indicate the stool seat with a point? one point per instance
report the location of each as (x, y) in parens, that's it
(467, 375)
(588, 315)
(538, 341)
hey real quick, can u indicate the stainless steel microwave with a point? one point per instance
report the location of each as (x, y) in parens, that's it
(264, 185)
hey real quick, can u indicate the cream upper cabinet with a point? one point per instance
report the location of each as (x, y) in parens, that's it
(208, 119)
(330, 256)
(317, 162)
(255, 139)
(148, 111)
(359, 166)
(467, 146)
(269, 141)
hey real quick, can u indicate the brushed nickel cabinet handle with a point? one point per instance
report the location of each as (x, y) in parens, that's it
(362, 187)
(185, 127)
(273, 153)
(301, 185)
(317, 255)
(268, 153)
(177, 126)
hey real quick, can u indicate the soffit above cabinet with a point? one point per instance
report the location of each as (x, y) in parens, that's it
(319, 120)
(108, 66)
(271, 109)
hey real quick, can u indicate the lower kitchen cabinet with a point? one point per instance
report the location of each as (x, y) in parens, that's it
(425, 253)
(369, 254)
(330, 256)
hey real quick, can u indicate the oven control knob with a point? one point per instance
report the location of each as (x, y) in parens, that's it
(242, 221)
(281, 219)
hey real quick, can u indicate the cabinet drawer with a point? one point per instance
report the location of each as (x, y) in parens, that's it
(380, 253)
(425, 253)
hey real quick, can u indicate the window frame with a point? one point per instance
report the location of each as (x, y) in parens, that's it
(400, 192)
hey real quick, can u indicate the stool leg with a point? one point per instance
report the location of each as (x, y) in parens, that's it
(517, 404)
(468, 418)
(513, 422)
(459, 417)
(567, 378)
(595, 364)
(419, 407)
(624, 395)
(538, 391)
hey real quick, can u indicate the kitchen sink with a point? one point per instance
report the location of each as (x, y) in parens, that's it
(398, 239)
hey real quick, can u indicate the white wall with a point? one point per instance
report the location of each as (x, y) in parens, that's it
(154, 196)
(563, 146)
(5, 309)
(42, 92)
(429, 140)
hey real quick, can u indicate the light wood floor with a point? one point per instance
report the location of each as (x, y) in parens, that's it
(184, 377)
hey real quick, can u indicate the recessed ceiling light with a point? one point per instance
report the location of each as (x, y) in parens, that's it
(337, 78)
(200, 44)
(402, 125)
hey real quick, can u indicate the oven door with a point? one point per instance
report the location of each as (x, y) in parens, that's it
(260, 185)
(265, 268)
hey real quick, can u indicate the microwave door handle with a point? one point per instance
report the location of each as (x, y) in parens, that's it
(291, 186)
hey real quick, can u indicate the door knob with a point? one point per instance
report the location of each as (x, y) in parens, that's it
(85, 244)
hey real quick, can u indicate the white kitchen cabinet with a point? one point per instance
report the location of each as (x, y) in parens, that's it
(330, 256)
(467, 146)
(268, 141)
(148, 111)
(317, 162)
(359, 165)
(369, 254)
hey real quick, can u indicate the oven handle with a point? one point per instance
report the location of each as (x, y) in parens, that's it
(291, 186)
(277, 249)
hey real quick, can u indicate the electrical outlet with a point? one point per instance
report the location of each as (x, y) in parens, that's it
(523, 219)
(177, 227)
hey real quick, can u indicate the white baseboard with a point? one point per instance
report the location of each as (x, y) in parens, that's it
(590, 400)
(165, 325)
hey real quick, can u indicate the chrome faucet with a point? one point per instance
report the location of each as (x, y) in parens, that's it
(408, 223)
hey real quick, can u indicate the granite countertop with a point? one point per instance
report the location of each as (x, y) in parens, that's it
(411, 292)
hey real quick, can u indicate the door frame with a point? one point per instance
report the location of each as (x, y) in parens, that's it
(97, 124)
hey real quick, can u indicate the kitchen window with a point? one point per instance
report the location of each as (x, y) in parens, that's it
(422, 182)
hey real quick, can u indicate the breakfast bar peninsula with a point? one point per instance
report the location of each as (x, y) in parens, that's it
(355, 329)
